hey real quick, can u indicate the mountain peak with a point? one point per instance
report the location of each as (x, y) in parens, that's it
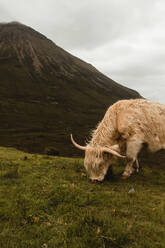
(20, 41)
(47, 93)
(17, 27)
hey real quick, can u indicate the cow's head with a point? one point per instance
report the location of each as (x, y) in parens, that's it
(98, 159)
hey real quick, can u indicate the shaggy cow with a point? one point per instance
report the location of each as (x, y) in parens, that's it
(126, 126)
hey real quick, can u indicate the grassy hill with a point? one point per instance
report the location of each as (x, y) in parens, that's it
(49, 202)
(46, 93)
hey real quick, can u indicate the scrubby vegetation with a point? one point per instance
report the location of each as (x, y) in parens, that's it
(49, 202)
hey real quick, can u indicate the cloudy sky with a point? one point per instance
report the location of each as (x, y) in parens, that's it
(124, 39)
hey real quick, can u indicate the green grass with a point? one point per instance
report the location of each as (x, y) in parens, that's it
(49, 202)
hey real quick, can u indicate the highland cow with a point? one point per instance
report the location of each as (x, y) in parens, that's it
(126, 126)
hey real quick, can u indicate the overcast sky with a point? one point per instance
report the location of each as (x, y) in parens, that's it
(124, 39)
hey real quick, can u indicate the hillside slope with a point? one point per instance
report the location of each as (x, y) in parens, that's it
(47, 93)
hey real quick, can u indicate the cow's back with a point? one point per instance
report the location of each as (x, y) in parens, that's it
(143, 118)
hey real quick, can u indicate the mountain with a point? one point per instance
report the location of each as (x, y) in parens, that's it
(46, 93)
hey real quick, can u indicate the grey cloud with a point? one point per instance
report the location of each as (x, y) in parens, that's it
(5, 14)
(99, 22)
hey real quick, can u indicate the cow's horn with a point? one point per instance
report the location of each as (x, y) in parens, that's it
(77, 145)
(113, 152)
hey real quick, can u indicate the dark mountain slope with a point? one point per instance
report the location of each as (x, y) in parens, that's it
(46, 93)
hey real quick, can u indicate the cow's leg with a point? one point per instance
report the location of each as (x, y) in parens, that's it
(137, 165)
(129, 169)
(133, 147)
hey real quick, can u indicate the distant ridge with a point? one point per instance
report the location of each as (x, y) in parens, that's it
(46, 93)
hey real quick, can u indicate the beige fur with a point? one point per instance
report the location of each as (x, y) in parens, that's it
(127, 124)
